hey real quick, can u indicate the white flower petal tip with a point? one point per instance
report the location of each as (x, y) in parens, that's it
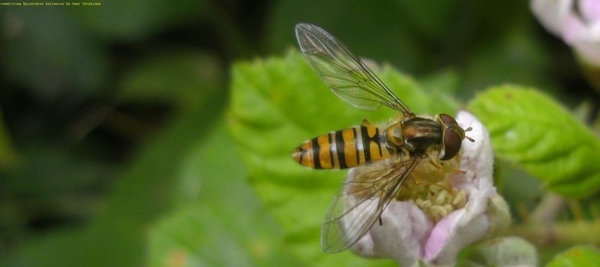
(471, 210)
(576, 22)
(477, 157)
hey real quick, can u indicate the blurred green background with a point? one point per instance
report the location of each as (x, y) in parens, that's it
(114, 116)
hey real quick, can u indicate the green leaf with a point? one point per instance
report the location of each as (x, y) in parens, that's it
(51, 52)
(577, 256)
(145, 192)
(120, 244)
(530, 129)
(183, 77)
(276, 104)
(220, 221)
(8, 155)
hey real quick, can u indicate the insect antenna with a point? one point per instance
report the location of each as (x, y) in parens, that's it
(468, 130)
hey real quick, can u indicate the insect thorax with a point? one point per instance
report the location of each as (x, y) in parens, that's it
(419, 136)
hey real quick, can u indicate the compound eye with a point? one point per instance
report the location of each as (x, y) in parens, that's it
(453, 136)
(447, 119)
(452, 143)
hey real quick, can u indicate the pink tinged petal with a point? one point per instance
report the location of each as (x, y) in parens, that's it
(575, 30)
(469, 224)
(585, 39)
(459, 229)
(560, 18)
(403, 230)
(440, 235)
(552, 14)
(590, 10)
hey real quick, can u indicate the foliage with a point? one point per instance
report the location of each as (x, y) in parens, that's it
(116, 148)
(271, 100)
(531, 129)
(525, 127)
(577, 256)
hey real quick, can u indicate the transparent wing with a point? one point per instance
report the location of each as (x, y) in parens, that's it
(347, 76)
(360, 203)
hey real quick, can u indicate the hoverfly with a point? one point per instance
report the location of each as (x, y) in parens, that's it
(400, 146)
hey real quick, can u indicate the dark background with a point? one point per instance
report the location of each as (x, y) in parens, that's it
(100, 105)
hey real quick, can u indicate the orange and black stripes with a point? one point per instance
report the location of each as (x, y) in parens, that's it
(343, 149)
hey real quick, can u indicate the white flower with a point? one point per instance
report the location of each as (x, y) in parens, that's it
(576, 22)
(412, 230)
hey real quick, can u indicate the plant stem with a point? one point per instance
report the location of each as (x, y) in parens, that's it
(547, 210)
(564, 233)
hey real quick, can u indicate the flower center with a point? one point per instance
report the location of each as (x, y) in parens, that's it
(430, 189)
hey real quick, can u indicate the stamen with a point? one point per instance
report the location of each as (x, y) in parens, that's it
(433, 193)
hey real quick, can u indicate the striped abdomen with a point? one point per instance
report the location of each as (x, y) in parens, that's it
(342, 149)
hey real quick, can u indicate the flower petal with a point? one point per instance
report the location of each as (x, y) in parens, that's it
(559, 17)
(590, 10)
(400, 236)
(477, 157)
(585, 41)
(469, 224)
(407, 235)
(552, 14)
(458, 230)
